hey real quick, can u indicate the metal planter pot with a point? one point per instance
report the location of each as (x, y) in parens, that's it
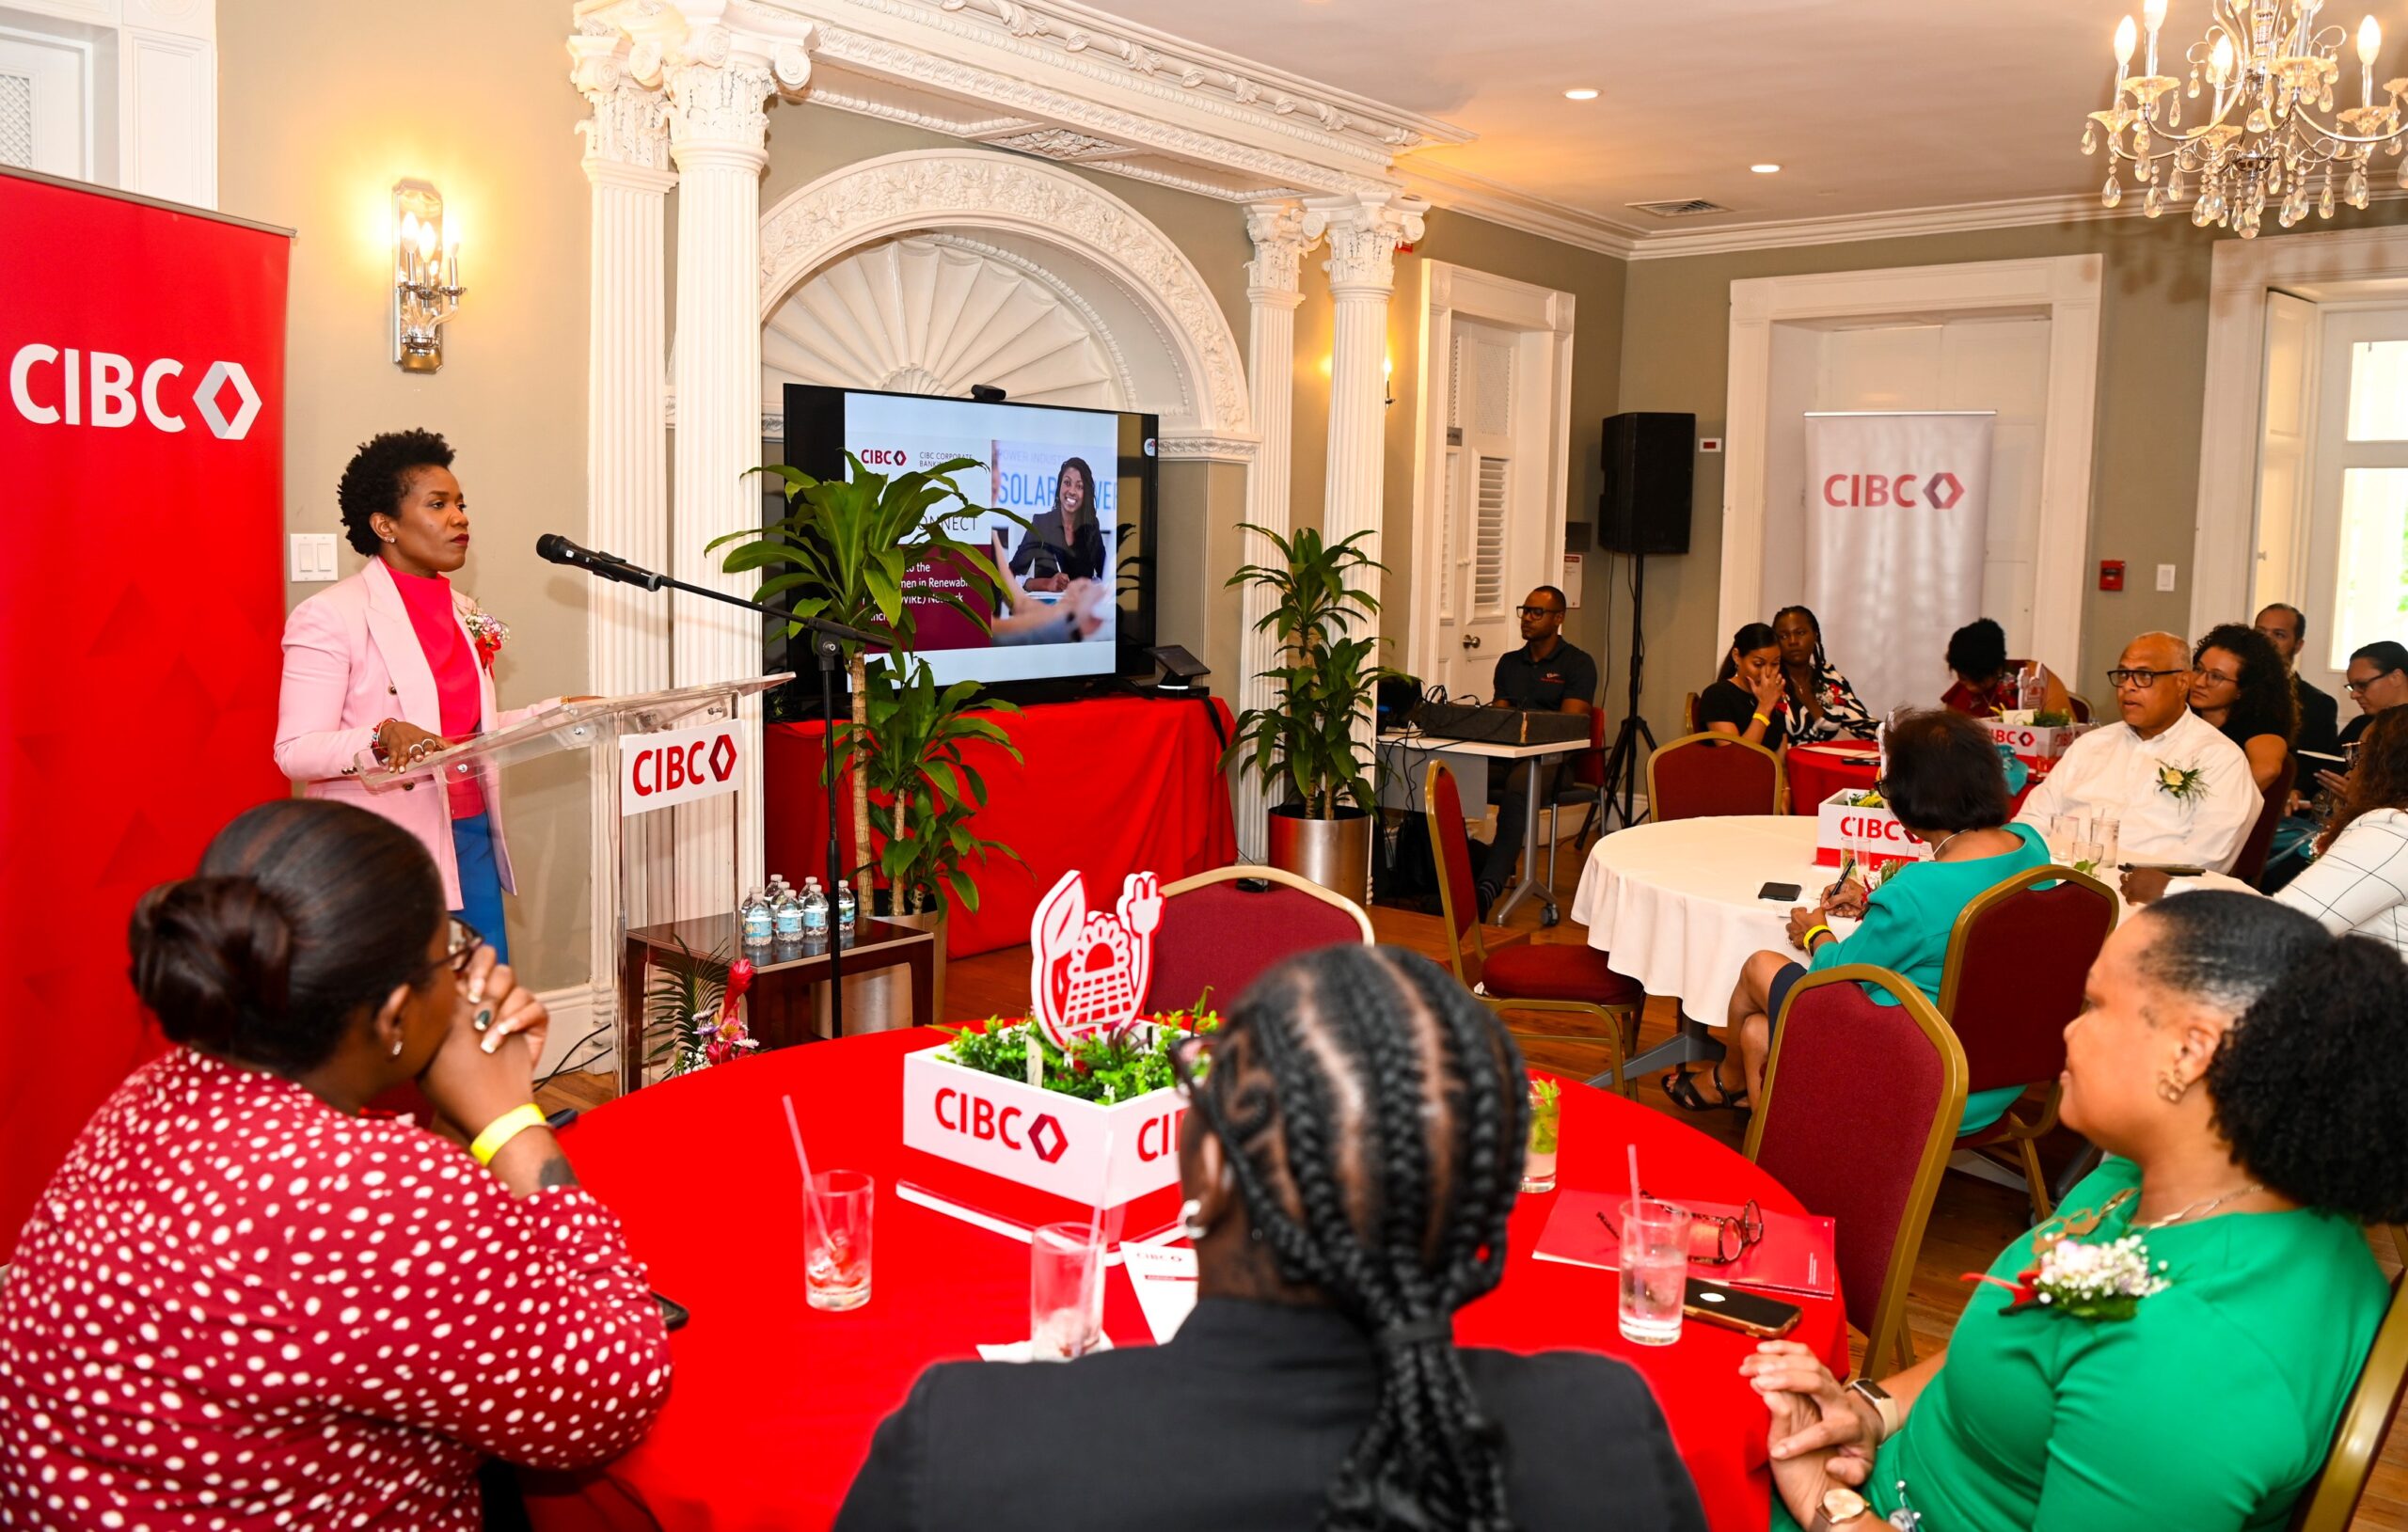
(1334, 853)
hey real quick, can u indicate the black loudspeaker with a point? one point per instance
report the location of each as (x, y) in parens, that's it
(1650, 466)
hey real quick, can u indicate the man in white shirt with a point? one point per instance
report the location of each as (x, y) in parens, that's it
(2123, 769)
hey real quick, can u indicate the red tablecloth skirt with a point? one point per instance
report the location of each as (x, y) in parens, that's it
(1110, 786)
(774, 1403)
(1815, 774)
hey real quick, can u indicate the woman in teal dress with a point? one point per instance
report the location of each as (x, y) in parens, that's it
(1943, 782)
(2241, 1068)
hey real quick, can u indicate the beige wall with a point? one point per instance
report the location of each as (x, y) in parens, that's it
(2146, 465)
(314, 128)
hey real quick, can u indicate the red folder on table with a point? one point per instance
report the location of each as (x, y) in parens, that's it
(1794, 1255)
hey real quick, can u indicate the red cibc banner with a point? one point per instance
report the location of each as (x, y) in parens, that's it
(142, 604)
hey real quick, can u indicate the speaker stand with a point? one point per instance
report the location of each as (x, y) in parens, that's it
(1621, 787)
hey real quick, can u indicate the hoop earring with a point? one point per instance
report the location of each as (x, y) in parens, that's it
(2171, 1087)
(1191, 1220)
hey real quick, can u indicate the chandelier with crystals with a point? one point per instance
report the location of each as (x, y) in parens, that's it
(2264, 78)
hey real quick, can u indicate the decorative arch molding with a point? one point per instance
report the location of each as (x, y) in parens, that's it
(1186, 368)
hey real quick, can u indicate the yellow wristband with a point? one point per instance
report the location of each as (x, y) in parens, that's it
(1807, 942)
(1761, 719)
(499, 1132)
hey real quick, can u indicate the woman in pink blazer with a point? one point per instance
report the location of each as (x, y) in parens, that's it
(393, 663)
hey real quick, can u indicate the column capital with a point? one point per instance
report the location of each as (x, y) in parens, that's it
(718, 63)
(1364, 230)
(1277, 231)
(627, 137)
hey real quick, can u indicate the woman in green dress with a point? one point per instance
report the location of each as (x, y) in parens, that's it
(2240, 1068)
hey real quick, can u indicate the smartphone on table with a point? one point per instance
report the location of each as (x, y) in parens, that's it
(1736, 1308)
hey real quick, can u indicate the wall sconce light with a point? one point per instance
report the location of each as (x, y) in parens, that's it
(1387, 380)
(426, 275)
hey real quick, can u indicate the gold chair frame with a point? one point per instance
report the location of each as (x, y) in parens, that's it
(2023, 1133)
(1780, 772)
(1285, 880)
(2330, 1499)
(1468, 968)
(1889, 1331)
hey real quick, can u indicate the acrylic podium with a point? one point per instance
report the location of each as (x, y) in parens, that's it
(680, 750)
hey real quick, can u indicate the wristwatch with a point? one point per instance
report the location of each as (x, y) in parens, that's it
(1885, 1408)
(1841, 1506)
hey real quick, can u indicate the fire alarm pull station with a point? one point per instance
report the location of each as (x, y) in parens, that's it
(2111, 574)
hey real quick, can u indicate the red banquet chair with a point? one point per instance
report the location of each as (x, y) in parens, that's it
(1859, 1110)
(1705, 775)
(1584, 782)
(2252, 863)
(2017, 959)
(1216, 937)
(1560, 976)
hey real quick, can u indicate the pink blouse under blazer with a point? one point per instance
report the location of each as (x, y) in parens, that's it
(351, 661)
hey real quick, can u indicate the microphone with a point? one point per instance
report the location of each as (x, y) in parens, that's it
(554, 549)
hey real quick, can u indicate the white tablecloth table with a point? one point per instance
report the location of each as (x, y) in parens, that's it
(1674, 905)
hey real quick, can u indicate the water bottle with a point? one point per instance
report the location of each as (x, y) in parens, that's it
(814, 911)
(845, 907)
(753, 915)
(786, 915)
(2030, 689)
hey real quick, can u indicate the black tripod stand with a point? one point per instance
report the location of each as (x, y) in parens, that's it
(1621, 788)
(826, 642)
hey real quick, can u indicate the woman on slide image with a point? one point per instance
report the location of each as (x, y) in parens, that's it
(1063, 543)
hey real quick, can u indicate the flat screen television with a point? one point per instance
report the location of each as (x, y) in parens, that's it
(1078, 603)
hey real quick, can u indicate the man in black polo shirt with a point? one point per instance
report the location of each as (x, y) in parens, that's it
(2319, 715)
(1546, 675)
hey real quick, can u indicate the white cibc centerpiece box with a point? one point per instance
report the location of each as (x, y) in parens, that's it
(2033, 742)
(1088, 1153)
(1845, 824)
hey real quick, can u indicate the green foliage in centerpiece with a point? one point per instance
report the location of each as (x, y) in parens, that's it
(1099, 1070)
(2051, 721)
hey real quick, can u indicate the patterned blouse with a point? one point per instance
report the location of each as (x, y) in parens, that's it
(1843, 712)
(236, 1307)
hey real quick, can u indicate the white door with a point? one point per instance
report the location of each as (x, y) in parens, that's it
(45, 105)
(1487, 532)
(2357, 535)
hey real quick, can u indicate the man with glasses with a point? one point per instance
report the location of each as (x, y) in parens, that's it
(2284, 626)
(1546, 675)
(2181, 790)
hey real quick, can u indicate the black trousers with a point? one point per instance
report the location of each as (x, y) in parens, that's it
(1512, 798)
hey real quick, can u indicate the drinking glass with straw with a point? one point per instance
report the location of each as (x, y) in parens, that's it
(1066, 1281)
(836, 1214)
(1654, 1259)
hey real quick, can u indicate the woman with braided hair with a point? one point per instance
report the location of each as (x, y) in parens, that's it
(1353, 1150)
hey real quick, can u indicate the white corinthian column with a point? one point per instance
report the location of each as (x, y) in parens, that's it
(1362, 230)
(626, 467)
(718, 80)
(1273, 294)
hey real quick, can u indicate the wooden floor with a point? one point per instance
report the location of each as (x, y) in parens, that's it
(1971, 1221)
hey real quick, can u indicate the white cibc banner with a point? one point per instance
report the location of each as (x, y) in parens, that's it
(1897, 514)
(678, 766)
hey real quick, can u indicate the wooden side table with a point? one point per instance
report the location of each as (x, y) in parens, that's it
(783, 973)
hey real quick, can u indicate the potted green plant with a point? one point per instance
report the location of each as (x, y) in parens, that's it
(1306, 747)
(845, 551)
(921, 794)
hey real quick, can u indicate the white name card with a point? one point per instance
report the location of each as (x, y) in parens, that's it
(679, 766)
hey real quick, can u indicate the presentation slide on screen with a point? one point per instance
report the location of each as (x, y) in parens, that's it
(1057, 470)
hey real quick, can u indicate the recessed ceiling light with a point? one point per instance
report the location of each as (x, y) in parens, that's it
(1765, 169)
(1584, 93)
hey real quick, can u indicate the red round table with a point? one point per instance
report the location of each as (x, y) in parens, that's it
(774, 1403)
(1818, 771)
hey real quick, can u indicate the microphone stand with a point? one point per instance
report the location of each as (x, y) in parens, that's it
(827, 642)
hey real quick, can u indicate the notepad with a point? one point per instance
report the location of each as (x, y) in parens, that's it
(1794, 1255)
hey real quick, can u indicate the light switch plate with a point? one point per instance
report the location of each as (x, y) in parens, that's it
(2165, 577)
(313, 556)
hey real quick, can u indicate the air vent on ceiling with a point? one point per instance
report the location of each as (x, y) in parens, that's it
(1685, 208)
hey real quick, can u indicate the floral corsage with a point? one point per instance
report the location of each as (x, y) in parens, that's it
(2180, 783)
(2086, 1281)
(488, 632)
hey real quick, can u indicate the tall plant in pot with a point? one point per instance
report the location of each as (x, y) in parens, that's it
(844, 551)
(1304, 747)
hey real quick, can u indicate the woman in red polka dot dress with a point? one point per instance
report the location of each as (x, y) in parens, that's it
(241, 1303)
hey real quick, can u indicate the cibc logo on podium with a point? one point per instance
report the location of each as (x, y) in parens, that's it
(1087, 983)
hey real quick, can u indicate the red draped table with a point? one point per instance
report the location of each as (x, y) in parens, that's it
(1109, 786)
(774, 1403)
